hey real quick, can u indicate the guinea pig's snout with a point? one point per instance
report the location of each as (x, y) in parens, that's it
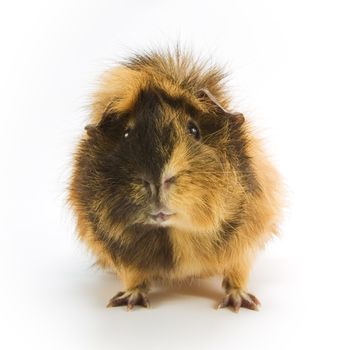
(166, 182)
(159, 211)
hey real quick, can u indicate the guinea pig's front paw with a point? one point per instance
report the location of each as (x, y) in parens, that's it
(130, 298)
(238, 298)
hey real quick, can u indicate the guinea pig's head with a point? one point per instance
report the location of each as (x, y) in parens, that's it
(166, 161)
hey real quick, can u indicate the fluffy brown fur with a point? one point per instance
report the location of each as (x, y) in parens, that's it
(162, 142)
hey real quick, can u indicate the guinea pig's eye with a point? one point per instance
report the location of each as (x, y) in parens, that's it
(126, 133)
(193, 130)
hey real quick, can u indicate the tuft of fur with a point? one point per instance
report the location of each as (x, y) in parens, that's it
(224, 195)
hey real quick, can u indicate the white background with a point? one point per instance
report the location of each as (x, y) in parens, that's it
(290, 76)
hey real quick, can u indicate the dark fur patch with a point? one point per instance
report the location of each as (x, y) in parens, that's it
(228, 229)
(152, 141)
(145, 247)
(109, 164)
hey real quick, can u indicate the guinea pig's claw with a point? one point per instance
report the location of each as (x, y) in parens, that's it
(239, 298)
(129, 298)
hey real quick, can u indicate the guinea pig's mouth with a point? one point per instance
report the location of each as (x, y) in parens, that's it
(160, 216)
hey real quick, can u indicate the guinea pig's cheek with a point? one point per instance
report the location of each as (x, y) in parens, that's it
(193, 212)
(196, 220)
(202, 214)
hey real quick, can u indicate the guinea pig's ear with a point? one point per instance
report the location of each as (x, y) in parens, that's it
(91, 129)
(237, 118)
(107, 122)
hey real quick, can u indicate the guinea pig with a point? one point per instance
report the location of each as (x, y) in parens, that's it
(168, 183)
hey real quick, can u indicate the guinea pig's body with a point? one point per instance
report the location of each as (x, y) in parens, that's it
(168, 184)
